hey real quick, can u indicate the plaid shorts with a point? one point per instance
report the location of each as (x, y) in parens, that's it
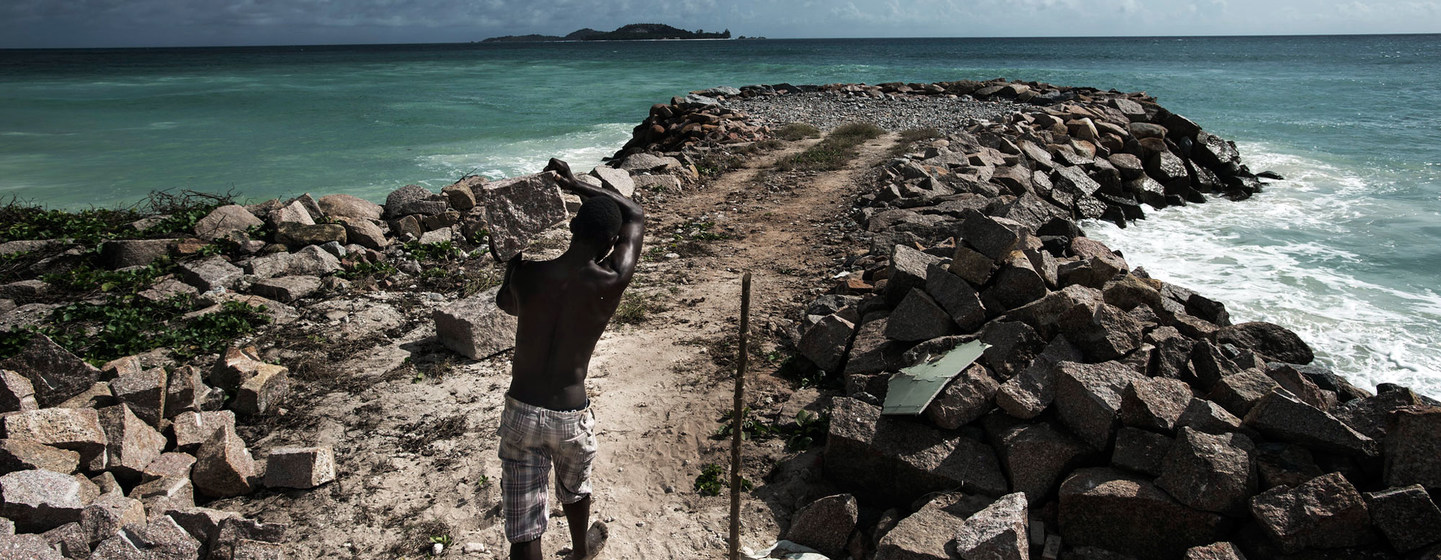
(531, 440)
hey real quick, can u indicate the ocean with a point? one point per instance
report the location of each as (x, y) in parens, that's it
(1346, 251)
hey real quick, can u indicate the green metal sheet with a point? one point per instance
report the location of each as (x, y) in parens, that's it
(912, 389)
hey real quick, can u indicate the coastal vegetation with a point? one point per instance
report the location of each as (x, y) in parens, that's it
(631, 32)
(834, 151)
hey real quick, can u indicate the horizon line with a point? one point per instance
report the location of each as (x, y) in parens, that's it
(735, 38)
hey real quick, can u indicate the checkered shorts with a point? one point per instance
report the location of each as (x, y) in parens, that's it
(531, 440)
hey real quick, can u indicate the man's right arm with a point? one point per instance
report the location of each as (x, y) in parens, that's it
(626, 253)
(505, 298)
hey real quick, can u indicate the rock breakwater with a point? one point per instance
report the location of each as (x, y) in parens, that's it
(1131, 416)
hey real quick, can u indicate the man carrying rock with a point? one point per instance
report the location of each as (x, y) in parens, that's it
(562, 306)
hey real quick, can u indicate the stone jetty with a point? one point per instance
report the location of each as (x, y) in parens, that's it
(1113, 415)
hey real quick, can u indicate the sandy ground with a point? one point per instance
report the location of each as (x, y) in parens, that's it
(414, 426)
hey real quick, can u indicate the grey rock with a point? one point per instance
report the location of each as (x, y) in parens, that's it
(966, 398)
(1209, 417)
(168, 464)
(365, 233)
(144, 392)
(17, 393)
(1300, 384)
(54, 373)
(299, 467)
(262, 392)
(233, 531)
(825, 343)
(107, 515)
(908, 270)
(185, 391)
(1012, 347)
(212, 273)
(657, 183)
(40, 500)
(643, 162)
(871, 352)
(162, 539)
(1035, 455)
(1106, 508)
(193, 428)
(1030, 392)
(131, 442)
(1210, 472)
(998, 532)
(1045, 313)
(201, 523)
(70, 539)
(923, 535)
(25, 290)
(1406, 516)
(20, 454)
(1280, 416)
(1214, 551)
(286, 289)
(956, 297)
(1239, 392)
(992, 237)
(294, 234)
(312, 261)
(475, 327)
(519, 209)
(1102, 332)
(618, 179)
(125, 253)
(76, 429)
(224, 221)
(223, 466)
(459, 195)
(293, 213)
(1413, 446)
(918, 317)
(1017, 283)
(414, 199)
(1326, 512)
(344, 206)
(269, 266)
(825, 524)
(1155, 403)
(165, 494)
(972, 266)
(1271, 340)
(1088, 397)
(27, 546)
(1140, 450)
(895, 460)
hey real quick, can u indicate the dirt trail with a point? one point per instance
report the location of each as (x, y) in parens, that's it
(415, 430)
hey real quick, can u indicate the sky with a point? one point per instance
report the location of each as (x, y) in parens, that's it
(149, 23)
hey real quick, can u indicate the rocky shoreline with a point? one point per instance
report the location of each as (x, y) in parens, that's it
(1111, 416)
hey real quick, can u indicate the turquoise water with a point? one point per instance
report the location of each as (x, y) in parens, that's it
(1347, 251)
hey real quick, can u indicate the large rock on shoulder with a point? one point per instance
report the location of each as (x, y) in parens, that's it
(518, 209)
(475, 327)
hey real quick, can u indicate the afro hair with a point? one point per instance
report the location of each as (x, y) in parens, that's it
(597, 220)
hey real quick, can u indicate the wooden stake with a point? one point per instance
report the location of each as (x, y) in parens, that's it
(737, 420)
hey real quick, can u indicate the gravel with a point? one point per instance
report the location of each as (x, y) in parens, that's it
(826, 110)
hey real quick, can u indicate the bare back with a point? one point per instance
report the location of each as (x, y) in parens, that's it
(562, 310)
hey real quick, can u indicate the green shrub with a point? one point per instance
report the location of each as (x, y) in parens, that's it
(834, 151)
(797, 131)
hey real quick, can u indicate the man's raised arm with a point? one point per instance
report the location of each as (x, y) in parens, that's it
(626, 252)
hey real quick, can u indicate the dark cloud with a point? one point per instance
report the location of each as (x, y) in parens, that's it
(38, 23)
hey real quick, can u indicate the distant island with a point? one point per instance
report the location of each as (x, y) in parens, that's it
(632, 32)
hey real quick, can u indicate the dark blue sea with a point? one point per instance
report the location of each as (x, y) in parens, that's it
(1347, 250)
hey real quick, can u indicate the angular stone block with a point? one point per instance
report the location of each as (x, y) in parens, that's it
(1279, 415)
(1239, 392)
(349, 206)
(618, 179)
(825, 343)
(224, 221)
(20, 454)
(168, 464)
(365, 233)
(201, 523)
(1155, 403)
(1106, 508)
(1210, 472)
(263, 392)
(1140, 451)
(165, 494)
(518, 209)
(972, 266)
(1088, 397)
(1406, 516)
(1035, 455)
(918, 317)
(184, 391)
(922, 535)
(55, 374)
(1326, 512)
(1274, 341)
(1030, 392)
(234, 367)
(76, 429)
(193, 428)
(16, 392)
(233, 530)
(966, 398)
(414, 199)
(908, 270)
(825, 524)
(956, 296)
(161, 539)
(1102, 332)
(997, 532)
(286, 289)
(131, 443)
(40, 500)
(1412, 448)
(312, 260)
(209, 274)
(107, 515)
(144, 392)
(300, 467)
(293, 213)
(1215, 551)
(896, 460)
(475, 327)
(223, 466)
(69, 539)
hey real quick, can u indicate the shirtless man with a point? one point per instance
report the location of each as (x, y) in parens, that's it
(563, 306)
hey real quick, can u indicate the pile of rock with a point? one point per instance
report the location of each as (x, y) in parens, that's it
(110, 462)
(698, 118)
(1113, 415)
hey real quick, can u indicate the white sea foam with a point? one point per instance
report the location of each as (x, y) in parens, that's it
(1269, 259)
(582, 150)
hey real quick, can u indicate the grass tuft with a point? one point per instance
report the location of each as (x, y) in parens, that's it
(797, 131)
(834, 151)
